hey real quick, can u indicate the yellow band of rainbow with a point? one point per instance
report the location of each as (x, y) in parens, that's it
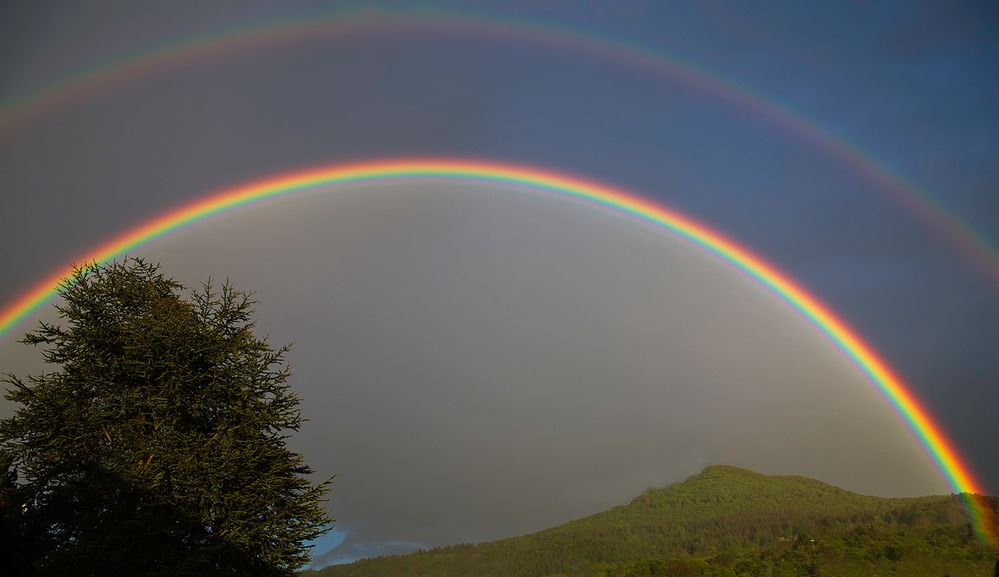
(929, 434)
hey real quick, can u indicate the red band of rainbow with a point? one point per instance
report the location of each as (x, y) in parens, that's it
(954, 470)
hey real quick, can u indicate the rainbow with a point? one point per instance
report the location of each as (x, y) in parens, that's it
(957, 474)
(18, 110)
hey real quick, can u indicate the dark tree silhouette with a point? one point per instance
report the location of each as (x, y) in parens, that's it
(158, 447)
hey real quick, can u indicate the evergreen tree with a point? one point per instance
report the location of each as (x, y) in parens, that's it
(158, 446)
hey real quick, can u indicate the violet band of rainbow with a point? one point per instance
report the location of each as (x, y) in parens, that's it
(954, 470)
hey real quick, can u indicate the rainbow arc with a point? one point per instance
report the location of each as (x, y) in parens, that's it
(945, 456)
(16, 111)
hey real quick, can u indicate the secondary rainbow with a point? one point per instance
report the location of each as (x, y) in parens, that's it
(957, 474)
(352, 22)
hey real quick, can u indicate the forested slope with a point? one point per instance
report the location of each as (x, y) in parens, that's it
(727, 522)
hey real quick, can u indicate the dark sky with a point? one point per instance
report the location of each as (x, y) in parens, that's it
(478, 363)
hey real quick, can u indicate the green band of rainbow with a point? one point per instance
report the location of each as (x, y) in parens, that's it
(929, 434)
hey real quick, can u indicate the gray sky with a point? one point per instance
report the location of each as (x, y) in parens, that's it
(478, 364)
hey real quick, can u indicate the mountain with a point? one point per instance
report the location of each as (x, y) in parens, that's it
(727, 522)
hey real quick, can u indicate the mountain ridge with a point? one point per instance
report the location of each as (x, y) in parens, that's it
(728, 522)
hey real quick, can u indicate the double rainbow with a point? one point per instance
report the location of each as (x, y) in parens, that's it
(929, 434)
(18, 110)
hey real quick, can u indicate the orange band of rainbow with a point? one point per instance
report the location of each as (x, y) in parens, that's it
(929, 434)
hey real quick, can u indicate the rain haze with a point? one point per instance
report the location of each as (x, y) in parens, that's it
(483, 360)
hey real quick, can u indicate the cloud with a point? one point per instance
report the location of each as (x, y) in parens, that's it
(325, 544)
(348, 552)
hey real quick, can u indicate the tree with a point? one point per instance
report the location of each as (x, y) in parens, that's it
(158, 446)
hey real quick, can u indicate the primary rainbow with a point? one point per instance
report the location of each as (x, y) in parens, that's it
(957, 474)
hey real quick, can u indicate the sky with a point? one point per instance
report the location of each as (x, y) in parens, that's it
(477, 362)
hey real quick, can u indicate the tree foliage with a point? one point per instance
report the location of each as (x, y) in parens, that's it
(158, 446)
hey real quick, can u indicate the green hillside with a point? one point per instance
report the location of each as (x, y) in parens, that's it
(726, 522)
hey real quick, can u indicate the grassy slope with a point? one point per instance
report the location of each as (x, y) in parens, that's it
(725, 522)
